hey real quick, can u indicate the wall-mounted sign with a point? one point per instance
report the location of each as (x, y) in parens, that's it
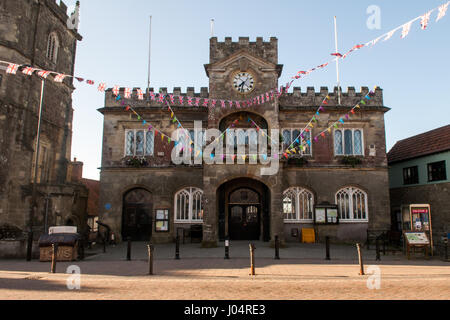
(162, 220)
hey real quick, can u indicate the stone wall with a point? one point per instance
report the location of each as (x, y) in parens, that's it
(24, 29)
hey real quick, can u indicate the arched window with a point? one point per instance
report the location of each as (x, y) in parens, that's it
(52, 47)
(298, 205)
(188, 205)
(352, 203)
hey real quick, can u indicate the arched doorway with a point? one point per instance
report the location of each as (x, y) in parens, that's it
(244, 210)
(137, 215)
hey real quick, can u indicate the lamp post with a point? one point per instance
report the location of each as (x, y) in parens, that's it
(33, 205)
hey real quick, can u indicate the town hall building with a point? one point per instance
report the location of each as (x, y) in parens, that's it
(145, 195)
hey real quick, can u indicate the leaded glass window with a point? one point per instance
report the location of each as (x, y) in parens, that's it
(348, 142)
(352, 203)
(139, 143)
(188, 205)
(298, 204)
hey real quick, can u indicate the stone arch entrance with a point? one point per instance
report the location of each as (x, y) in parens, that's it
(244, 210)
(137, 215)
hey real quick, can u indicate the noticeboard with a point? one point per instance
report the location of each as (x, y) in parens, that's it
(417, 238)
(326, 214)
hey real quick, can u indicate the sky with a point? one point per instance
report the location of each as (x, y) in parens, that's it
(414, 72)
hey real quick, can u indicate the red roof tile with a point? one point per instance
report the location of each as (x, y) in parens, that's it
(434, 141)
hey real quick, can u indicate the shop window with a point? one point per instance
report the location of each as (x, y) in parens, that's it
(298, 205)
(437, 171)
(188, 205)
(411, 175)
(352, 203)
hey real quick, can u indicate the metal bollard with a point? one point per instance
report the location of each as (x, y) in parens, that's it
(227, 248)
(54, 257)
(30, 246)
(378, 258)
(177, 248)
(129, 249)
(252, 259)
(361, 263)
(150, 258)
(327, 248)
(277, 248)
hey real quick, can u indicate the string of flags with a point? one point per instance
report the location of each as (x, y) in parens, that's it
(301, 141)
(406, 28)
(270, 95)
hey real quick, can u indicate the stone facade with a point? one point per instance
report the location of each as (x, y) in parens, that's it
(323, 173)
(25, 28)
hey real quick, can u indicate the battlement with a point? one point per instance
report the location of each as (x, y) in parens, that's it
(264, 49)
(314, 98)
(190, 92)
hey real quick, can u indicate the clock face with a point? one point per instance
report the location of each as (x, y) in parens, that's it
(243, 82)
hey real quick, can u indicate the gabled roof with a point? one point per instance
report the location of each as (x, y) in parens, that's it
(434, 141)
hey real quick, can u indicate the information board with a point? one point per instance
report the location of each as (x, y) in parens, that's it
(417, 238)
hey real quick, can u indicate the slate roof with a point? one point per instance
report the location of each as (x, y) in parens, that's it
(434, 141)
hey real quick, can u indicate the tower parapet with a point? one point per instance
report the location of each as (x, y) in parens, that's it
(267, 50)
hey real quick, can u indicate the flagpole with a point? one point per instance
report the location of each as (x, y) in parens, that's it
(149, 54)
(337, 61)
(212, 28)
(36, 166)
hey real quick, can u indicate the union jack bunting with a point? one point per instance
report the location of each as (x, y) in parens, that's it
(406, 29)
(190, 101)
(79, 79)
(44, 74)
(231, 103)
(222, 103)
(267, 96)
(262, 98)
(271, 95)
(116, 90)
(254, 101)
(101, 87)
(197, 102)
(442, 11)
(12, 68)
(152, 96)
(180, 99)
(140, 94)
(59, 77)
(161, 98)
(323, 65)
(238, 105)
(213, 103)
(127, 93)
(28, 71)
(205, 102)
(172, 99)
(91, 82)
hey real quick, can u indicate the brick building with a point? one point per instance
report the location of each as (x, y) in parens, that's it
(154, 198)
(37, 33)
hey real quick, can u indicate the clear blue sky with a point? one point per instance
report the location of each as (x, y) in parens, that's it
(414, 72)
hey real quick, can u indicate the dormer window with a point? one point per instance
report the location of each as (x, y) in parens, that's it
(52, 47)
